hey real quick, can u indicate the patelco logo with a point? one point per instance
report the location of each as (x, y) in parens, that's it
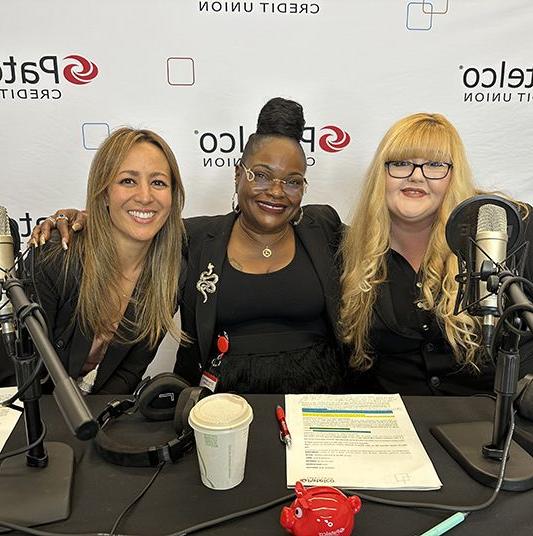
(334, 141)
(42, 78)
(225, 148)
(81, 71)
(500, 82)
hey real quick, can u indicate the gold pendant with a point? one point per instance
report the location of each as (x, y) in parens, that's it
(267, 252)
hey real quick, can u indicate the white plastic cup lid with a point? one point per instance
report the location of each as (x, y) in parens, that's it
(219, 412)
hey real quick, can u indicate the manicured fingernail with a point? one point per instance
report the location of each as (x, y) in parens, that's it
(42, 240)
(76, 227)
(64, 244)
(33, 243)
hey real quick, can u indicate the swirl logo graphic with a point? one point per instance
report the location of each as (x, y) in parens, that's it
(334, 141)
(81, 71)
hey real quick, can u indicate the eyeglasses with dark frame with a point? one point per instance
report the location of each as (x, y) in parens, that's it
(403, 169)
(263, 180)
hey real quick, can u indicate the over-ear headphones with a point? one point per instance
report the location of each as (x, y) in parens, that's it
(161, 398)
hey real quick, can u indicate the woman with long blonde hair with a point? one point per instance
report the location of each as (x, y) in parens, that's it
(112, 297)
(398, 281)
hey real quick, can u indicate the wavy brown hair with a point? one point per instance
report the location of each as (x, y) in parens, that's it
(155, 297)
(421, 135)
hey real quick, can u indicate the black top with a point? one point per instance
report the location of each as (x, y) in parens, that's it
(287, 299)
(123, 364)
(319, 232)
(412, 357)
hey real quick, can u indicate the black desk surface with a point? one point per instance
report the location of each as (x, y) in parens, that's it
(178, 499)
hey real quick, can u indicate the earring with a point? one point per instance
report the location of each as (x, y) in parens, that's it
(298, 220)
(235, 203)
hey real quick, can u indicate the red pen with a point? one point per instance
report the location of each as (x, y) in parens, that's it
(284, 433)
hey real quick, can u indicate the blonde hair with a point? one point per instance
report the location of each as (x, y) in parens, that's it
(155, 297)
(421, 135)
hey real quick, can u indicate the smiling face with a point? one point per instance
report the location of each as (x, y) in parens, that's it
(269, 210)
(140, 196)
(415, 199)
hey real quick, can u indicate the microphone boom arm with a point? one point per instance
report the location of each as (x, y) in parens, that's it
(66, 392)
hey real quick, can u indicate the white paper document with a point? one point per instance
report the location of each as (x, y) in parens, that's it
(8, 416)
(355, 441)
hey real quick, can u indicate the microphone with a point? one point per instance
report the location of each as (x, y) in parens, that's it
(499, 232)
(7, 260)
(491, 239)
(478, 221)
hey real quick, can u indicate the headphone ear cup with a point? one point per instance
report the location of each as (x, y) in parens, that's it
(186, 401)
(157, 399)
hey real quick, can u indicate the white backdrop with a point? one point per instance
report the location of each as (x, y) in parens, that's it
(197, 72)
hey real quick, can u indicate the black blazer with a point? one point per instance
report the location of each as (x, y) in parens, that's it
(123, 365)
(320, 232)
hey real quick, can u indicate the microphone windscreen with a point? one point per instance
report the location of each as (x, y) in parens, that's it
(4, 222)
(492, 218)
(462, 225)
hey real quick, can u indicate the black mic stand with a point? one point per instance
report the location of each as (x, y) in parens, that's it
(38, 488)
(470, 443)
(25, 361)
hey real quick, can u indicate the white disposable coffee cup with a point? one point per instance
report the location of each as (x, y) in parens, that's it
(220, 423)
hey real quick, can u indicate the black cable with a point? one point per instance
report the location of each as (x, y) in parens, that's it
(235, 515)
(25, 386)
(504, 314)
(136, 500)
(371, 498)
(37, 532)
(503, 322)
(509, 281)
(38, 314)
(512, 279)
(183, 532)
(21, 450)
(12, 406)
(456, 508)
(242, 513)
(32, 276)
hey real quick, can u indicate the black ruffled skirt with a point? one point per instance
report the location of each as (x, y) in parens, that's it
(317, 368)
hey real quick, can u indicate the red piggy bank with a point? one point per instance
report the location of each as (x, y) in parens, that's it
(320, 511)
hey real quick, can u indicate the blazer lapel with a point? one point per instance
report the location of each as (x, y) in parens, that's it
(81, 346)
(79, 342)
(323, 261)
(211, 261)
(115, 353)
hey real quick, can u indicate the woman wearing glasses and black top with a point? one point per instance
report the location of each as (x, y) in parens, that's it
(398, 282)
(263, 279)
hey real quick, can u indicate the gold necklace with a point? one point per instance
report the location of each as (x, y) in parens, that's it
(267, 248)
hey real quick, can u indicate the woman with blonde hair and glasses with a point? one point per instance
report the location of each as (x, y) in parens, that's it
(111, 297)
(398, 281)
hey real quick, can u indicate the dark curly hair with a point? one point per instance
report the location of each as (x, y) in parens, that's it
(279, 117)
